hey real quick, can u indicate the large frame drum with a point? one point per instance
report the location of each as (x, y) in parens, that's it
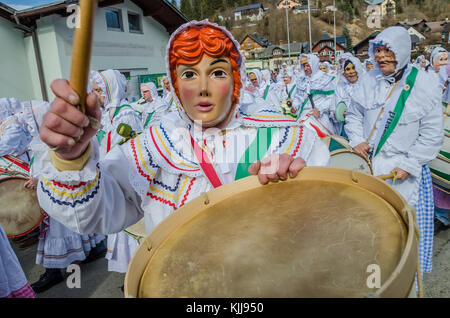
(440, 167)
(322, 234)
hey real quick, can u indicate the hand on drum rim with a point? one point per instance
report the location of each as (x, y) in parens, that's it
(285, 166)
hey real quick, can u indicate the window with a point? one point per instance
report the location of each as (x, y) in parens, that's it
(114, 19)
(134, 23)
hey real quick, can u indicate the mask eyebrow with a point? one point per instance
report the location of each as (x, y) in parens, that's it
(217, 61)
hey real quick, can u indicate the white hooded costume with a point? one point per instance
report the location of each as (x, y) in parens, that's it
(345, 90)
(315, 91)
(154, 110)
(416, 138)
(155, 173)
(14, 137)
(58, 246)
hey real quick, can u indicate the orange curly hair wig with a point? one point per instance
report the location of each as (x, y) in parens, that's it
(189, 46)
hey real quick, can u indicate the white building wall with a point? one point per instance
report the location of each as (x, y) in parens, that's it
(14, 64)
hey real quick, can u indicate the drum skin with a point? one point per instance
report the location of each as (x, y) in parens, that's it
(279, 240)
(20, 212)
(342, 155)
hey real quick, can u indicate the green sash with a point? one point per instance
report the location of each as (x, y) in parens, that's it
(257, 148)
(314, 92)
(266, 92)
(100, 135)
(148, 119)
(399, 107)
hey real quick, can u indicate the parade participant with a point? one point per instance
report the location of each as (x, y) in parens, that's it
(439, 57)
(353, 71)
(58, 246)
(168, 165)
(13, 283)
(108, 87)
(14, 138)
(110, 92)
(168, 95)
(395, 117)
(267, 77)
(154, 108)
(324, 67)
(369, 65)
(315, 92)
(283, 95)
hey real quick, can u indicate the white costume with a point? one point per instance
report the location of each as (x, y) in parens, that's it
(315, 91)
(345, 90)
(58, 246)
(14, 137)
(153, 111)
(417, 137)
(157, 172)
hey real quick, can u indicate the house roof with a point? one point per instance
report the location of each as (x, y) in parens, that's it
(249, 7)
(295, 47)
(161, 10)
(363, 42)
(437, 26)
(258, 39)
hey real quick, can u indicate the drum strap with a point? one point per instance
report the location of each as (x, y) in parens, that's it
(399, 107)
(310, 97)
(18, 163)
(108, 143)
(205, 164)
(171, 102)
(100, 135)
(266, 91)
(256, 151)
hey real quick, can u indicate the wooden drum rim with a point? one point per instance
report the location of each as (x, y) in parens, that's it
(339, 151)
(392, 287)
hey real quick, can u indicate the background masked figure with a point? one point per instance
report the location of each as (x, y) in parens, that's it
(409, 132)
(314, 92)
(353, 71)
(154, 108)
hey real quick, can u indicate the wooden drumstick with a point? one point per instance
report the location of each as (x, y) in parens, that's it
(387, 176)
(81, 55)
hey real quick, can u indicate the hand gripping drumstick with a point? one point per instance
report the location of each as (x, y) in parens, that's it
(387, 176)
(81, 55)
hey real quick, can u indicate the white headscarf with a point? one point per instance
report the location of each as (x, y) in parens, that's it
(358, 67)
(16, 106)
(5, 109)
(112, 86)
(436, 54)
(398, 40)
(258, 75)
(153, 91)
(266, 74)
(313, 62)
(241, 63)
(165, 91)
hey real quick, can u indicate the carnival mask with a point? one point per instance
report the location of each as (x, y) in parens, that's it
(206, 90)
(442, 60)
(166, 84)
(286, 79)
(306, 66)
(253, 79)
(323, 68)
(350, 72)
(385, 59)
(98, 91)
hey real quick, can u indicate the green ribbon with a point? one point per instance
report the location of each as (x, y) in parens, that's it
(100, 135)
(266, 92)
(149, 117)
(314, 92)
(258, 148)
(118, 109)
(399, 107)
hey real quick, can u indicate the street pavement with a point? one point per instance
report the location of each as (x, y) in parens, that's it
(97, 282)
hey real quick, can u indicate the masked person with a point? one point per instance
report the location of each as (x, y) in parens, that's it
(314, 92)
(154, 108)
(409, 132)
(368, 65)
(14, 137)
(160, 170)
(353, 71)
(58, 247)
(168, 94)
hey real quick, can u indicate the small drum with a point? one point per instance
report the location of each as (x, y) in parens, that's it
(341, 108)
(20, 212)
(283, 240)
(137, 231)
(440, 167)
(312, 123)
(342, 155)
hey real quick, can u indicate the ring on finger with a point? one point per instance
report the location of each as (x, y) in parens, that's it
(54, 148)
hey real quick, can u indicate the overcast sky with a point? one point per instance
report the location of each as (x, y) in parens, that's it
(25, 4)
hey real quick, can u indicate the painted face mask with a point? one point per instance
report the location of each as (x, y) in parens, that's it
(205, 71)
(350, 72)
